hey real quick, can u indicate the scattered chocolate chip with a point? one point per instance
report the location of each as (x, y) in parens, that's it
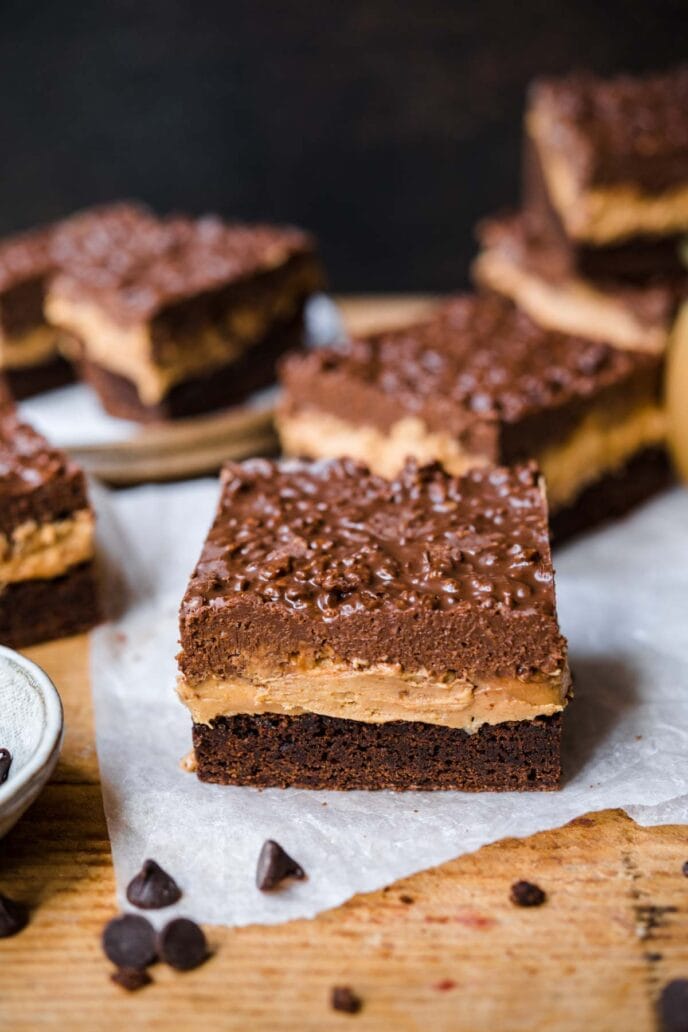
(153, 888)
(653, 958)
(129, 941)
(274, 865)
(342, 998)
(130, 978)
(13, 917)
(5, 764)
(673, 1006)
(406, 899)
(685, 868)
(526, 894)
(182, 944)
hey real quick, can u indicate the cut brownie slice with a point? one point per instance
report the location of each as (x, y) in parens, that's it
(29, 346)
(47, 578)
(179, 316)
(480, 383)
(613, 154)
(521, 261)
(346, 631)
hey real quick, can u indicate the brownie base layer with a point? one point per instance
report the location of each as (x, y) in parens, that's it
(311, 751)
(29, 380)
(217, 389)
(613, 496)
(40, 610)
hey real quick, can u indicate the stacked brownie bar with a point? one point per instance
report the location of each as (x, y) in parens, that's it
(179, 316)
(30, 357)
(47, 578)
(478, 383)
(346, 631)
(600, 246)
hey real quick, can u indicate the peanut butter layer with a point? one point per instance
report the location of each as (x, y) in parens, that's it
(614, 152)
(30, 348)
(597, 446)
(41, 551)
(375, 694)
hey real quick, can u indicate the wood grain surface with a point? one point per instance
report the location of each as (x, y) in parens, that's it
(442, 950)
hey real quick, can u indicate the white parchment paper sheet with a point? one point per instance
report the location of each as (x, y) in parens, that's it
(623, 602)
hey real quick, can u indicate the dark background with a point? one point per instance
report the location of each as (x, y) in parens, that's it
(386, 127)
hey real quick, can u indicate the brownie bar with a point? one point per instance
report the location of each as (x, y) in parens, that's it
(527, 265)
(223, 387)
(174, 302)
(394, 608)
(614, 153)
(33, 611)
(47, 581)
(477, 383)
(316, 752)
(640, 260)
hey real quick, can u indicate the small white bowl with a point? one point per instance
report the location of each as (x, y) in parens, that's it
(31, 727)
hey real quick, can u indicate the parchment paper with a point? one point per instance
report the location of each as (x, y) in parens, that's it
(623, 602)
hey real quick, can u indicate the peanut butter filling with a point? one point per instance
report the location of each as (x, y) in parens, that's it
(569, 305)
(29, 349)
(376, 694)
(677, 393)
(319, 435)
(598, 446)
(604, 215)
(38, 551)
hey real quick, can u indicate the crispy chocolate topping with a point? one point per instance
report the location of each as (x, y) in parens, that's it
(134, 265)
(24, 257)
(333, 539)
(623, 129)
(480, 358)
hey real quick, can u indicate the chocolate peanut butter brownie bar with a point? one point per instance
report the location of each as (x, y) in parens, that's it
(179, 316)
(480, 383)
(47, 580)
(346, 631)
(611, 156)
(29, 347)
(522, 261)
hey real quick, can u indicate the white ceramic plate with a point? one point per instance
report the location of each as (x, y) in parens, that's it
(31, 727)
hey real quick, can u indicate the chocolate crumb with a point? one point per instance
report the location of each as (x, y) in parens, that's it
(685, 868)
(129, 941)
(652, 958)
(182, 944)
(5, 764)
(406, 899)
(527, 894)
(672, 1006)
(274, 865)
(153, 888)
(343, 998)
(130, 978)
(13, 917)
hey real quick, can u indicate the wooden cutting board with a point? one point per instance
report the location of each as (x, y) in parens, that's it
(443, 950)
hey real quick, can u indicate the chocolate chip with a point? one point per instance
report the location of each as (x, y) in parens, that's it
(5, 764)
(526, 894)
(274, 865)
(129, 941)
(343, 998)
(685, 868)
(153, 888)
(13, 917)
(182, 944)
(673, 1006)
(406, 899)
(131, 979)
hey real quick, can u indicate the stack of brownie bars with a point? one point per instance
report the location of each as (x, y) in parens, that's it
(379, 612)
